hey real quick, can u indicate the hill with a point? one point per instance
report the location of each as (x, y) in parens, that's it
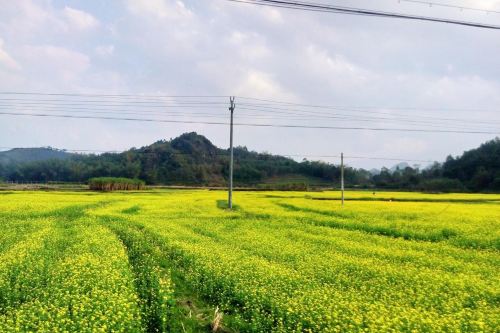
(478, 168)
(191, 159)
(23, 155)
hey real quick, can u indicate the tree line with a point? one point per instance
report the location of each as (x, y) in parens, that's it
(191, 159)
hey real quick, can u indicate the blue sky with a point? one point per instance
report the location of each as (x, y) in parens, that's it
(215, 47)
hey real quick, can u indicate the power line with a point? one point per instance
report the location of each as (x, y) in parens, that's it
(130, 103)
(108, 95)
(270, 104)
(360, 157)
(173, 97)
(380, 129)
(103, 151)
(440, 4)
(256, 107)
(255, 116)
(318, 7)
(278, 110)
(276, 115)
(361, 108)
(63, 105)
(123, 112)
(68, 150)
(262, 113)
(343, 117)
(426, 120)
(227, 154)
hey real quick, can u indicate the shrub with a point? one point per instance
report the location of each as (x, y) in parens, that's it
(115, 184)
(442, 185)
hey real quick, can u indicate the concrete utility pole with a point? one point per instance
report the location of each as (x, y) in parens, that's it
(230, 194)
(342, 176)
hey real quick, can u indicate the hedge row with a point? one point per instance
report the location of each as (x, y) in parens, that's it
(115, 184)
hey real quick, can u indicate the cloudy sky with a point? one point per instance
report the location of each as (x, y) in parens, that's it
(369, 71)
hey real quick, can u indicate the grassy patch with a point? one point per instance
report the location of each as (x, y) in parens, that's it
(132, 210)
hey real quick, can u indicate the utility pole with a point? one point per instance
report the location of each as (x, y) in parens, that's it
(230, 194)
(342, 176)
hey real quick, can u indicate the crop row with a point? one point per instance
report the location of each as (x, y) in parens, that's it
(73, 275)
(278, 273)
(273, 264)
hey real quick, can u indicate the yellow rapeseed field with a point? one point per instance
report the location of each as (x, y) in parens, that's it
(164, 261)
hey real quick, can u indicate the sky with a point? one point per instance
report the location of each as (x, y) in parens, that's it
(368, 71)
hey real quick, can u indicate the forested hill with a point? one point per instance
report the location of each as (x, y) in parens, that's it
(22, 155)
(191, 159)
(477, 169)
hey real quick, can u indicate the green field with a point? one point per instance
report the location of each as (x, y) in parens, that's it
(279, 262)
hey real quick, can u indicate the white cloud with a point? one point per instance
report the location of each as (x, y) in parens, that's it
(489, 4)
(6, 60)
(33, 12)
(28, 19)
(79, 19)
(333, 71)
(105, 50)
(467, 91)
(169, 21)
(249, 46)
(256, 83)
(273, 15)
(220, 48)
(56, 62)
(336, 65)
(161, 9)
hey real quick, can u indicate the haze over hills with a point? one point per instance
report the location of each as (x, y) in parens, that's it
(399, 166)
(191, 159)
